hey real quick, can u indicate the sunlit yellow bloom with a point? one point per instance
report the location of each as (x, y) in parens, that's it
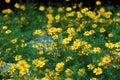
(55, 36)
(40, 52)
(14, 40)
(11, 68)
(84, 10)
(101, 64)
(68, 71)
(110, 35)
(7, 11)
(106, 59)
(18, 57)
(7, 1)
(90, 66)
(66, 40)
(8, 31)
(2, 63)
(4, 27)
(68, 9)
(97, 71)
(37, 32)
(68, 58)
(68, 79)
(60, 9)
(109, 45)
(8, 50)
(98, 2)
(94, 25)
(81, 72)
(117, 45)
(102, 30)
(17, 5)
(39, 62)
(59, 66)
(45, 78)
(96, 50)
(93, 78)
(22, 7)
(41, 8)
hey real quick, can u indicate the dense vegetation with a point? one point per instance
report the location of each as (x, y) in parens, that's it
(43, 42)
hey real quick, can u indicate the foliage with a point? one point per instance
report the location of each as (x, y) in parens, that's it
(49, 43)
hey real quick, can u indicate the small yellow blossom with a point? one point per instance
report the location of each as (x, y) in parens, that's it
(68, 9)
(102, 30)
(14, 40)
(97, 71)
(8, 31)
(41, 8)
(81, 72)
(98, 2)
(2, 63)
(22, 7)
(90, 66)
(59, 66)
(93, 78)
(109, 45)
(7, 1)
(110, 35)
(4, 27)
(18, 57)
(106, 59)
(68, 71)
(17, 5)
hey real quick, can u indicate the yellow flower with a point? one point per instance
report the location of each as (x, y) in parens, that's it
(98, 2)
(37, 32)
(55, 37)
(68, 79)
(41, 8)
(102, 30)
(17, 5)
(8, 31)
(68, 58)
(45, 78)
(97, 71)
(96, 50)
(8, 50)
(39, 62)
(7, 1)
(18, 57)
(11, 68)
(66, 40)
(106, 59)
(94, 25)
(14, 40)
(4, 27)
(117, 45)
(59, 66)
(81, 72)
(109, 45)
(68, 9)
(22, 7)
(40, 52)
(90, 66)
(2, 63)
(84, 10)
(60, 9)
(93, 78)
(110, 35)
(68, 71)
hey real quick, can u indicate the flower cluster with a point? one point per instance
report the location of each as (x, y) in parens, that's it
(59, 43)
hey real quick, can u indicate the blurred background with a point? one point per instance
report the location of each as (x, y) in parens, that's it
(54, 3)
